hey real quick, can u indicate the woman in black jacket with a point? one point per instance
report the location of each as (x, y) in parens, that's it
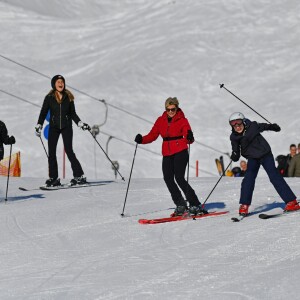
(60, 102)
(247, 141)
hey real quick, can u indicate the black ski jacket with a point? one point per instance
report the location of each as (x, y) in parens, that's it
(250, 143)
(61, 115)
(4, 138)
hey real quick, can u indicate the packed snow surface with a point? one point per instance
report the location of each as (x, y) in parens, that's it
(74, 244)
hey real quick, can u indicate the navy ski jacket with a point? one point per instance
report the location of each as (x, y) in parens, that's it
(250, 143)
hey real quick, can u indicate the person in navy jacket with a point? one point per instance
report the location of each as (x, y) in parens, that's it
(246, 140)
(176, 132)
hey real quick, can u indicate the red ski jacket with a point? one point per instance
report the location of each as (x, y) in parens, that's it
(173, 133)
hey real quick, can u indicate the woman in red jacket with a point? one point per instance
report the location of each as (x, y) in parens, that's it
(176, 132)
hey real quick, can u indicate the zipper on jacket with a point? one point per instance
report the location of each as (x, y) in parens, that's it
(60, 116)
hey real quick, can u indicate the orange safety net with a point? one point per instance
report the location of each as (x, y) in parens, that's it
(15, 165)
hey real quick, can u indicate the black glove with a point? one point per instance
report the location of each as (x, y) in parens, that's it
(38, 130)
(11, 140)
(138, 139)
(190, 136)
(275, 127)
(235, 156)
(85, 127)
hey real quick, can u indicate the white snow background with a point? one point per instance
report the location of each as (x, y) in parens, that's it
(74, 244)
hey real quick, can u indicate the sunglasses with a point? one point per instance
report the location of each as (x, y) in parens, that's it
(171, 109)
(236, 123)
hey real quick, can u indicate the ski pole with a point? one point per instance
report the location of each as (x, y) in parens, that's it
(223, 86)
(8, 172)
(188, 173)
(223, 174)
(122, 214)
(44, 146)
(107, 156)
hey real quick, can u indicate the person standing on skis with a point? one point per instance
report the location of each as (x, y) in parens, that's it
(5, 139)
(60, 102)
(176, 132)
(246, 140)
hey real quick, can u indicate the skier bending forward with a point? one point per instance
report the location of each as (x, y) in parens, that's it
(247, 141)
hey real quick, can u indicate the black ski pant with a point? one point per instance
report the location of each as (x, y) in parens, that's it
(67, 135)
(276, 179)
(173, 168)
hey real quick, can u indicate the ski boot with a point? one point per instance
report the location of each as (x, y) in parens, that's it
(78, 180)
(52, 182)
(197, 210)
(179, 211)
(292, 206)
(243, 210)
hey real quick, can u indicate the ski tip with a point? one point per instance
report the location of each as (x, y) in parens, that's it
(143, 221)
(22, 189)
(264, 216)
(235, 219)
(238, 219)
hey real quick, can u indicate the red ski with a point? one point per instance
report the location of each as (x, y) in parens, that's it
(181, 218)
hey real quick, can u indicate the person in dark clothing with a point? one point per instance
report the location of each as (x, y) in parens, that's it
(5, 139)
(237, 172)
(60, 102)
(285, 160)
(246, 140)
(176, 132)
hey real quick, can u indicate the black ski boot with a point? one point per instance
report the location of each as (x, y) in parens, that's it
(52, 182)
(197, 210)
(179, 211)
(78, 180)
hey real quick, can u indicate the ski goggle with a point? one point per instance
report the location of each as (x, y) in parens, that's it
(235, 123)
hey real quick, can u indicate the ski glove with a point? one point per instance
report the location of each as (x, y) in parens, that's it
(84, 126)
(11, 140)
(138, 139)
(275, 127)
(235, 156)
(190, 136)
(38, 130)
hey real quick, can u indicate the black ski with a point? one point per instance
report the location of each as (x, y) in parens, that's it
(67, 186)
(267, 216)
(282, 214)
(222, 164)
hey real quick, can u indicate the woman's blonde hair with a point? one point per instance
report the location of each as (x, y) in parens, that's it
(172, 101)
